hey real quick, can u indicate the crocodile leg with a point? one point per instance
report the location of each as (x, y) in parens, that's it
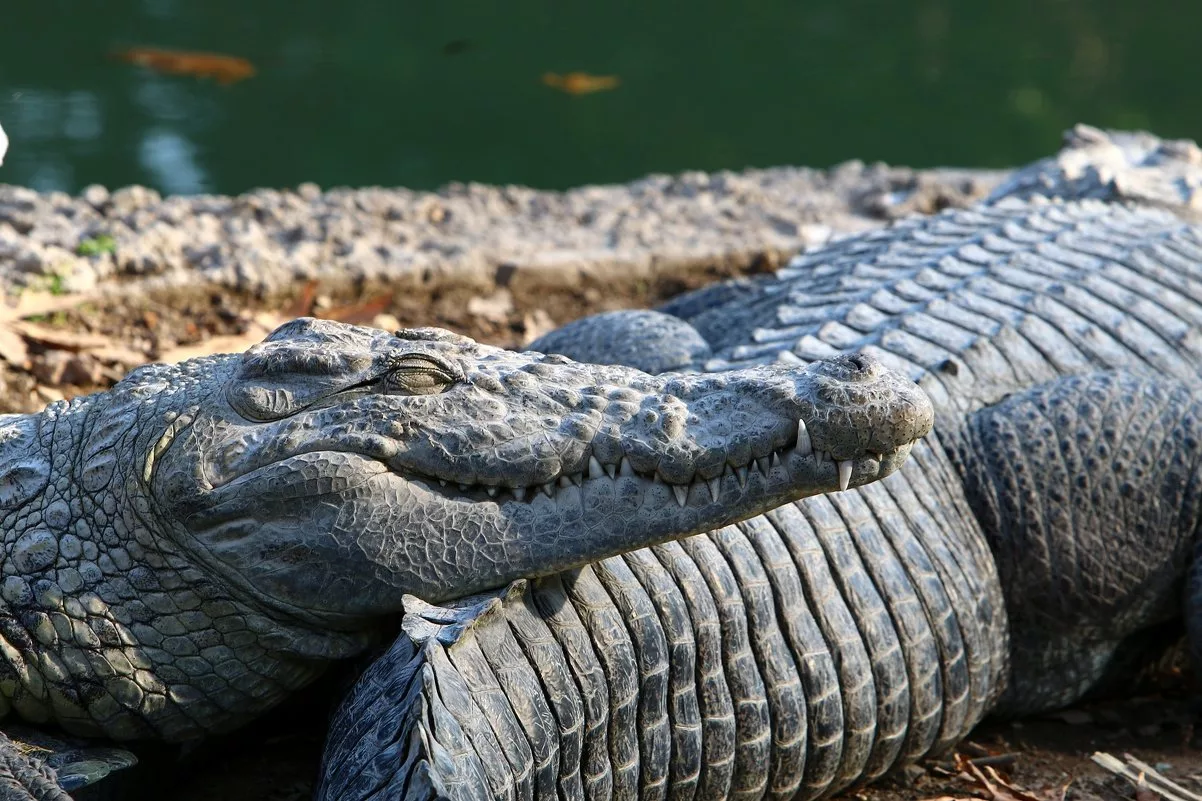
(1089, 491)
(38, 765)
(23, 778)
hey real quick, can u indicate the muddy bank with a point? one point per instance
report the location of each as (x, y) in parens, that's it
(110, 280)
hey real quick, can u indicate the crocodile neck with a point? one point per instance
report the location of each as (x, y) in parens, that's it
(106, 628)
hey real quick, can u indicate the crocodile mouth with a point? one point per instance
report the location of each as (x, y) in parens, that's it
(773, 469)
(797, 456)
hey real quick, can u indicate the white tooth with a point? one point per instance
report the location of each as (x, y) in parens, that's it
(624, 468)
(804, 447)
(762, 464)
(775, 460)
(442, 482)
(564, 482)
(519, 493)
(548, 489)
(492, 492)
(463, 487)
(844, 473)
(741, 473)
(594, 468)
(577, 479)
(611, 470)
(569, 496)
(715, 485)
(682, 493)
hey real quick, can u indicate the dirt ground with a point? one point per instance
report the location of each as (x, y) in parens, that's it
(60, 346)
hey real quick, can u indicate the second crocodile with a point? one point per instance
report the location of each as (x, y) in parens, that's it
(1042, 536)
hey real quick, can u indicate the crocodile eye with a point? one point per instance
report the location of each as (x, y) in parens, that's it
(418, 375)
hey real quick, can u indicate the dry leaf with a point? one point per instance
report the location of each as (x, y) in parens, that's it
(359, 313)
(58, 338)
(13, 349)
(260, 326)
(31, 303)
(303, 305)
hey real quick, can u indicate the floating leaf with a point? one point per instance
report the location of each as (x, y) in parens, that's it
(224, 69)
(580, 83)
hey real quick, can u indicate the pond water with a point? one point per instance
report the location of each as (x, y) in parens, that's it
(376, 92)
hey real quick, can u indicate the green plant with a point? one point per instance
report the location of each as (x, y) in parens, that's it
(97, 245)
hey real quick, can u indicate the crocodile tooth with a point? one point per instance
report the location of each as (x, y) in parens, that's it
(741, 474)
(804, 446)
(564, 482)
(594, 467)
(464, 487)
(657, 478)
(611, 470)
(442, 482)
(570, 496)
(548, 489)
(624, 468)
(715, 485)
(492, 492)
(763, 465)
(519, 493)
(682, 493)
(844, 473)
(775, 461)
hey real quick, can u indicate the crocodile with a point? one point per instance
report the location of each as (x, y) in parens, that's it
(184, 551)
(1036, 545)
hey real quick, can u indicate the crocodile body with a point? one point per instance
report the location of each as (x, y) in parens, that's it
(1032, 544)
(182, 552)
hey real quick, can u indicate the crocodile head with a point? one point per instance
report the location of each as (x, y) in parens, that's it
(340, 467)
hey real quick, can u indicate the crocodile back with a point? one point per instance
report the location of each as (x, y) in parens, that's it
(979, 303)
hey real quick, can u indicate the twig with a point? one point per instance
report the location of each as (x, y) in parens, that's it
(1144, 776)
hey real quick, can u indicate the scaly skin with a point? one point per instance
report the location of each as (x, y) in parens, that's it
(183, 551)
(815, 647)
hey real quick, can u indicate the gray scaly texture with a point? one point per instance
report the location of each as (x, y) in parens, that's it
(182, 552)
(1032, 541)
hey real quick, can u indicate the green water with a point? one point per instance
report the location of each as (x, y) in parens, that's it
(372, 92)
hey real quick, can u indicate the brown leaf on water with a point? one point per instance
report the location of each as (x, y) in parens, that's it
(580, 83)
(223, 68)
